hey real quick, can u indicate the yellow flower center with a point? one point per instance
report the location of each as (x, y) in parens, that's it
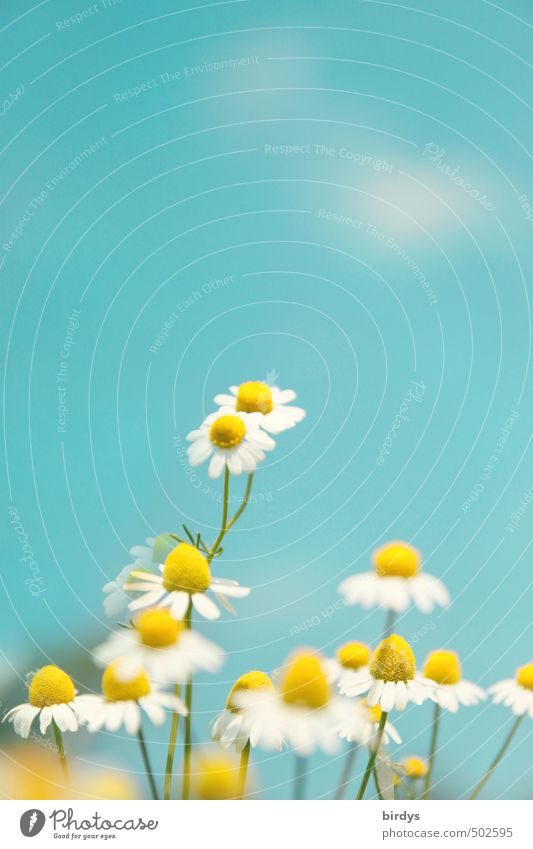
(51, 686)
(304, 682)
(524, 676)
(393, 660)
(216, 777)
(353, 655)
(116, 690)
(443, 667)
(186, 570)
(374, 713)
(396, 559)
(415, 767)
(254, 397)
(157, 629)
(227, 431)
(255, 680)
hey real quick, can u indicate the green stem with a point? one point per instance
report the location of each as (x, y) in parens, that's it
(432, 751)
(186, 788)
(147, 767)
(498, 758)
(60, 749)
(347, 771)
(225, 525)
(243, 769)
(389, 624)
(373, 753)
(171, 749)
(299, 777)
(376, 782)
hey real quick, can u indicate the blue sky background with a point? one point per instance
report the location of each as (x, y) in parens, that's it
(413, 122)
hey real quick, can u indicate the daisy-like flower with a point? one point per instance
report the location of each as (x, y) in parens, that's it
(215, 776)
(157, 642)
(231, 439)
(302, 710)
(52, 696)
(125, 693)
(271, 402)
(414, 767)
(517, 692)
(235, 725)
(391, 679)
(116, 599)
(351, 656)
(444, 668)
(395, 582)
(359, 724)
(185, 578)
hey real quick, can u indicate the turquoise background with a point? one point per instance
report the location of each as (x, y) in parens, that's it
(181, 192)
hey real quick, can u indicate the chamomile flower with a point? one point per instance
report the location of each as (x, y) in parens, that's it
(359, 723)
(391, 679)
(395, 582)
(517, 692)
(116, 598)
(444, 668)
(301, 709)
(231, 439)
(185, 577)
(414, 767)
(215, 776)
(352, 656)
(234, 726)
(162, 645)
(52, 696)
(271, 402)
(125, 694)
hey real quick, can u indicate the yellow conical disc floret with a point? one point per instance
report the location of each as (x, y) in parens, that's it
(254, 397)
(304, 681)
(216, 777)
(157, 629)
(393, 660)
(396, 559)
(524, 676)
(415, 767)
(227, 431)
(255, 680)
(186, 570)
(51, 686)
(117, 690)
(353, 655)
(443, 667)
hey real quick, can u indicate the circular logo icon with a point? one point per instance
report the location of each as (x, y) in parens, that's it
(32, 822)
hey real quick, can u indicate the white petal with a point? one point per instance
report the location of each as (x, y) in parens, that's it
(228, 589)
(147, 599)
(401, 696)
(216, 465)
(180, 603)
(22, 717)
(375, 692)
(132, 717)
(388, 697)
(199, 451)
(45, 719)
(205, 606)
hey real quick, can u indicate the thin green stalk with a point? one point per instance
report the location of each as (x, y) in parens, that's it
(389, 624)
(186, 788)
(376, 782)
(432, 751)
(373, 753)
(60, 749)
(347, 771)
(243, 770)
(300, 774)
(146, 762)
(171, 749)
(245, 500)
(498, 758)
(225, 525)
